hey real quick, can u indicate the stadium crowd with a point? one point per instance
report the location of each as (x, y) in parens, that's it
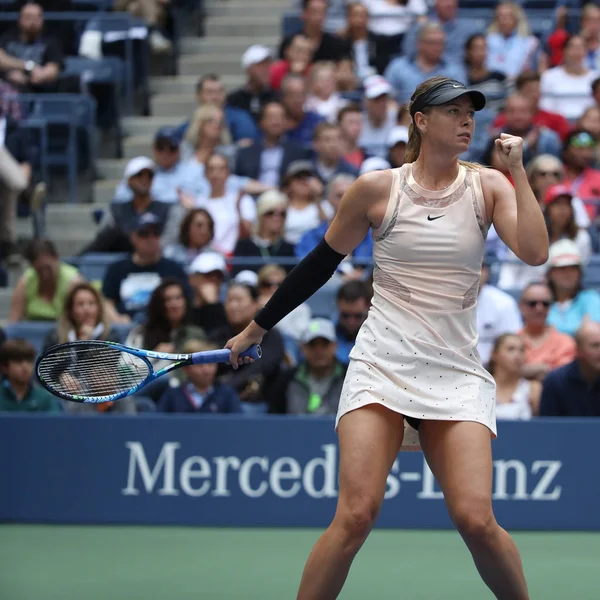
(203, 229)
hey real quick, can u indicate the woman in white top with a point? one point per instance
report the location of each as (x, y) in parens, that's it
(516, 398)
(323, 97)
(414, 375)
(567, 89)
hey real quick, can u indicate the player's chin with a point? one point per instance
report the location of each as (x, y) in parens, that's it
(464, 141)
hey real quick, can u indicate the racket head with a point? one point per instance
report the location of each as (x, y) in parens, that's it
(92, 371)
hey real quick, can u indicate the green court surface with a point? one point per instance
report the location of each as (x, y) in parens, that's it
(172, 563)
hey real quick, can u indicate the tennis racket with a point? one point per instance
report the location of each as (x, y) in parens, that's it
(98, 371)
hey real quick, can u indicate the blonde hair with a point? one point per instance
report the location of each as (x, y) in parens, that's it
(522, 25)
(265, 272)
(413, 148)
(201, 116)
(66, 323)
(535, 164)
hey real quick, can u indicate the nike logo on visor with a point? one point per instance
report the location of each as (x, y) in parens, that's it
(430, 218)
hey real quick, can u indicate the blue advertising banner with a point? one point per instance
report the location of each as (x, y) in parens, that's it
(269, 471)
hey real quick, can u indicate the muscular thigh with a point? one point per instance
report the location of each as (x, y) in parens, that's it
(460, 457)
(370, 439)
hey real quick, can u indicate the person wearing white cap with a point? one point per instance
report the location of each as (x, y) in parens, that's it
(256, 92)
(397, 142)
(375, 163)
(573, 305)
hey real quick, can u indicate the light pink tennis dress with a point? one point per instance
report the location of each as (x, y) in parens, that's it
(416, 352)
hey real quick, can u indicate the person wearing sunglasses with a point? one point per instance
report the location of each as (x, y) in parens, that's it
(546, 348)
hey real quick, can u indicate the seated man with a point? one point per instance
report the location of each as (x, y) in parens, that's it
(120, 217)
(129, 283)
(17, 392)
(315, 385)
(199, 392)
(30, 61)
(328, 161)
(353, 303)
(574, 390)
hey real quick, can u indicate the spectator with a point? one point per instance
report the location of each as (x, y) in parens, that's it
(590, 121)
(129, 283)
(545, 347)
(536, 139)
(527, 85)
(41, 291)
(491, 83)
(325, 46)
(2, 336)
(350, 121)
(324, 99)
(456, 30)
(375, 163)
(300, 122)
(560, 218)
(328, 161)
(253, 382)
(267, 240)
(407, 72)
(397, 143)
(297, 59)
(233, 213)
(17, 391)
(207, 274)
(574, 390)
(516, 398)
(379, 118)
(256, 92)
(315, 385)
(170, 173)
(305, 209)
(154, 13)
(239, 125)
(362, 41)
(389, 21)
(566, 89)
(199, 392)
(196, 234)
(573, 305)
(83, 317)
(578, 157)
(15, 177)
(267, 159)
(511, 47)
(353, 302)
(30, 61)
(294, 324)
(497, 313)
(121, 217)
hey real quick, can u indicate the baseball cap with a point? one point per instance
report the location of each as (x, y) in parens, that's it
(298, 167)
(445, 92)
(319, 328)
(247, 277)
(564, 253)
(375, 163)
(207, 262)
(556, 191)
(146, 220)
(270, 200)
(168, 134)
(254, 55)
(138, 164)
(376, 86)
(397, 135)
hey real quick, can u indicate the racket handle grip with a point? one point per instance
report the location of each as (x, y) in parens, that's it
(254, 352)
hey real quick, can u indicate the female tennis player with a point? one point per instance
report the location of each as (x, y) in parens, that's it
(415, 375)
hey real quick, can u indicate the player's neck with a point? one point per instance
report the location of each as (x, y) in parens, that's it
(434, 170)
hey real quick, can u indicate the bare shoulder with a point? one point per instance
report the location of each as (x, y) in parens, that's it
(374, 184)
(369, 195)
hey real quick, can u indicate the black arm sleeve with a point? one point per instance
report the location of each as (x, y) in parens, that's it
(311, 273)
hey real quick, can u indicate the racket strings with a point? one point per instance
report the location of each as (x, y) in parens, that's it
(94, 371)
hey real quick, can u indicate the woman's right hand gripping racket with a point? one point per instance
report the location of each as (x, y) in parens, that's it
(243, 342)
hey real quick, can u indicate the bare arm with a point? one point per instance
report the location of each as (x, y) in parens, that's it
(46, 74)
(516, 213)
(8, 62)
(17, 303)
(254, 187)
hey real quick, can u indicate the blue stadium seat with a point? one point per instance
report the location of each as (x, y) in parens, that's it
(291, 23)
(591, 275)
(93, 266)
(34, 332)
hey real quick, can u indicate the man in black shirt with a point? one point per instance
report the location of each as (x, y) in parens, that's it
(256, 92)
(30, 61)
(326, 46)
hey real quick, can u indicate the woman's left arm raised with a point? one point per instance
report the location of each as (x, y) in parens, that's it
(516, 214)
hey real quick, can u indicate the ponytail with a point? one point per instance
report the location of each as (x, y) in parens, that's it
(413, 148)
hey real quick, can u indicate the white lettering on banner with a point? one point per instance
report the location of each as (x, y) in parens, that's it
(286, 477)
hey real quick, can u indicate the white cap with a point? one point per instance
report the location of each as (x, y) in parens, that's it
(247, 277)
(564, 253)
(397, 135)
(376, 86)
(319, 328)
(207, 262)
(254, 55)
(137, 165)
(375, 163)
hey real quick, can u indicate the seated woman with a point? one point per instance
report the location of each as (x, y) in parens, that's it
(323, 97)
(267, 240)
(41, 291)
(516, 398)
(253, 382)
(196, 233)
(572, 304)
(166, 329)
